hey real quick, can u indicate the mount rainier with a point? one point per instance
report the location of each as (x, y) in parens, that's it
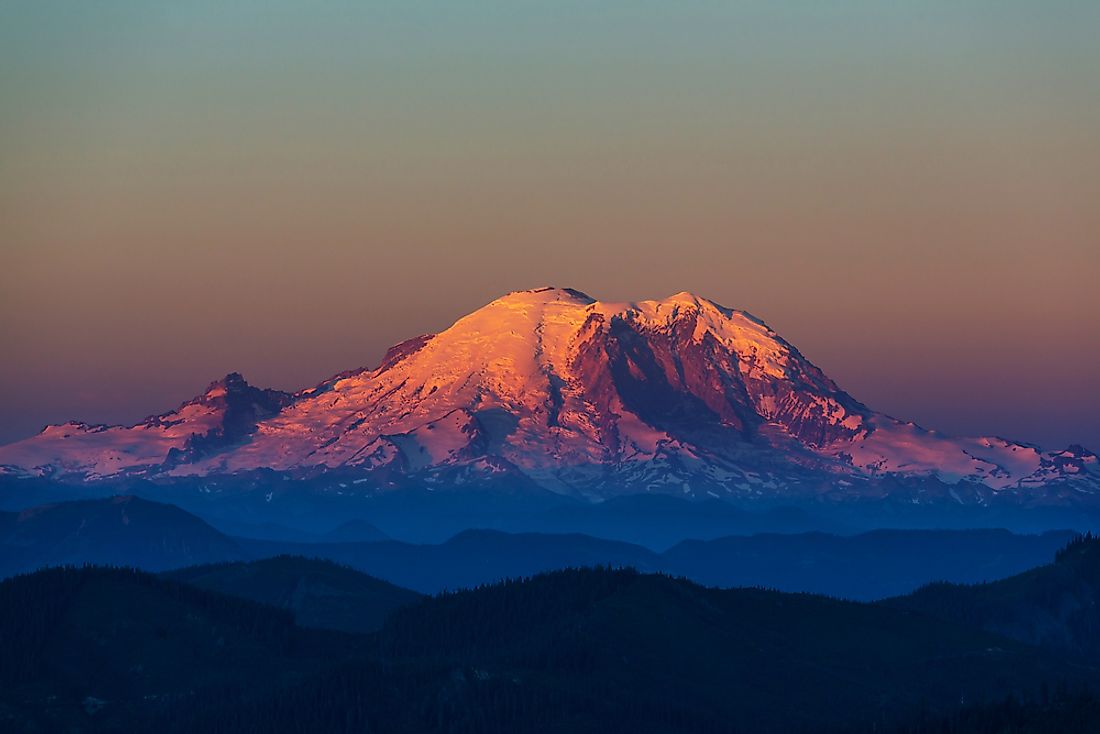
(552, 389)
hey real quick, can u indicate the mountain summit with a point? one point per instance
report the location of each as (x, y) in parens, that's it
(553, 388)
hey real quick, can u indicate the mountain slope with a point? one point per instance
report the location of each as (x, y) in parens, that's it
(319, 593)
(868, 566)
(224, 415)
(121, 531)
(1055, 606)
(552, 388)
(471, 558)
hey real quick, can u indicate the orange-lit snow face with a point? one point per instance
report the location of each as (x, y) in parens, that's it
(566, 390)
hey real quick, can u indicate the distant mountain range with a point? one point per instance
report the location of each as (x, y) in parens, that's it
(129, 531)
(551, 391)
(119, 531)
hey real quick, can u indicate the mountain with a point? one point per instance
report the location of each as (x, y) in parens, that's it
(584, 650)
(122, 531)
(1054, 606)
(868, 566)
(659, 521)
(356, 530)
(224, 415)
(552, 390)
(129, 531)
(471, 558)
(318, 593)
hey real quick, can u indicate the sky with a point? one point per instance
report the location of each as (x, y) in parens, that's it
(906, 191)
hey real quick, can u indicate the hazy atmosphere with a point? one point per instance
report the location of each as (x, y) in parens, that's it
(905, 191)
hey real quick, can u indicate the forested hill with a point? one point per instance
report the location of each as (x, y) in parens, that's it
(1056, 606)
(319, 593)
(590, 650)
(108, 649)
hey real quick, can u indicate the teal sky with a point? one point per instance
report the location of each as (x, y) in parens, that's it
(905, 190)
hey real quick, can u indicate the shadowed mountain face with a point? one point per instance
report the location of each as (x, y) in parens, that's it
(318, 593)
(582, 651)
(553, 390)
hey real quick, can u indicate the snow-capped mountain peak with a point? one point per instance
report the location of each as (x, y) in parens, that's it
(576, 395)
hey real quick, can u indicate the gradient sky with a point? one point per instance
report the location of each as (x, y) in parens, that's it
(907, 191)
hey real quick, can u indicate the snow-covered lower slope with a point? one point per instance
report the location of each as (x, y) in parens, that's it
(579, 396)
(221, 417)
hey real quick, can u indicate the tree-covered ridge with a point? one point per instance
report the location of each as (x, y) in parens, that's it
(319, 593)
(579, 650)
(1056, 606)
(128, 644)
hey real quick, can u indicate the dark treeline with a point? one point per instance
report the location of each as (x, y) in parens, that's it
(439, 698)
(580, 650)
(52, 594)
(487, 660)
(1056, 606)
